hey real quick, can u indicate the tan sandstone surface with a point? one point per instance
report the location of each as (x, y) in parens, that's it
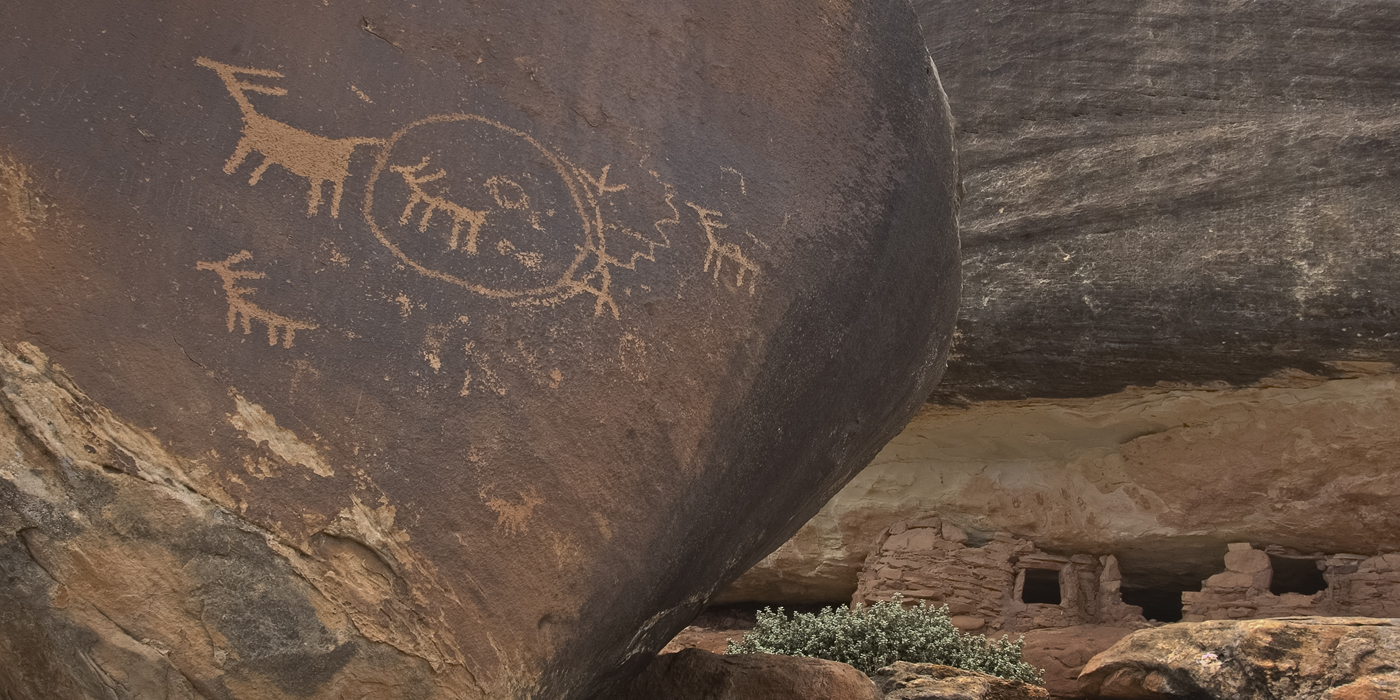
(1297, 658)
(920, 681)
(1161, 477)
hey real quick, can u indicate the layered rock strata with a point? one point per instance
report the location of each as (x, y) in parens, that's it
(1163, 478)
(1170, 191)
(1194, 193)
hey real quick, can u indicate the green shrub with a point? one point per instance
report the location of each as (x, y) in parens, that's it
(869, 638)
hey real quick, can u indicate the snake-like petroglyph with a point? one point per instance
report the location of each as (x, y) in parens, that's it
(460, 214)
(240, 307)
(316, 158)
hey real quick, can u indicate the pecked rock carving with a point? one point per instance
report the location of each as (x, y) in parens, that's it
(243, 310)
(316, 158)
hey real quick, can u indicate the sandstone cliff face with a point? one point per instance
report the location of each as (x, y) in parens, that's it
(1170, 190)
(1191, 192)
(1161, 478)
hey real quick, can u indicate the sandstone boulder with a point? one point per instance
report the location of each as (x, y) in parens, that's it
(1062, 653)
(694, 674)
(703, 638)
(468, 345)
(909, 681)
(1298, 658)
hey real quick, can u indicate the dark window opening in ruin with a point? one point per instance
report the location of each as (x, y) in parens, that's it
(1160, 604)
(1296, 576)
(1041, 586)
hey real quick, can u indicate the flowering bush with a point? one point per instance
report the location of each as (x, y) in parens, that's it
(869, 638)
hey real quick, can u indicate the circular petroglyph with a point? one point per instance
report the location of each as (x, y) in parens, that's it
(467, 200)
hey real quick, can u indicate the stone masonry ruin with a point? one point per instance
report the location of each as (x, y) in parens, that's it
(1260, 583)
(1002, 584)
(1006, 584)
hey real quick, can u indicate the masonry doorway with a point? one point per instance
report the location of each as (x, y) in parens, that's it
(1041, 586)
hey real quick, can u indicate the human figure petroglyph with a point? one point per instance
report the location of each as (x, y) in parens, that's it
(241, 308)
(720, 251)
(460, 214)
(317, 158)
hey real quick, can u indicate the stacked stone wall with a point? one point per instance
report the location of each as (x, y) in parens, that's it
(982, 585)
(1357, 586)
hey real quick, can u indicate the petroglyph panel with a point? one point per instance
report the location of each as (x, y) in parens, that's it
(476, 203)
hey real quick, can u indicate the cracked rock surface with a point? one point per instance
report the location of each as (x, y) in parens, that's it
(1292, 658)
(122, 579)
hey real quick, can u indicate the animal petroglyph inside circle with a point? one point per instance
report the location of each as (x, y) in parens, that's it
(469, 201)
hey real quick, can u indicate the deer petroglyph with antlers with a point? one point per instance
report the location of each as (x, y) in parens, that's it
(241, 308)
(316, 158)
(719, 251)
(460, 214)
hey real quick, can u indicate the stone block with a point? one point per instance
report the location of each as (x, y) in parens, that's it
(961, 607)
(1246, 561)
(922, 539)
(968, 623)
(953, 533)
(1240, 546)
(898, 542)
(1230, 579)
